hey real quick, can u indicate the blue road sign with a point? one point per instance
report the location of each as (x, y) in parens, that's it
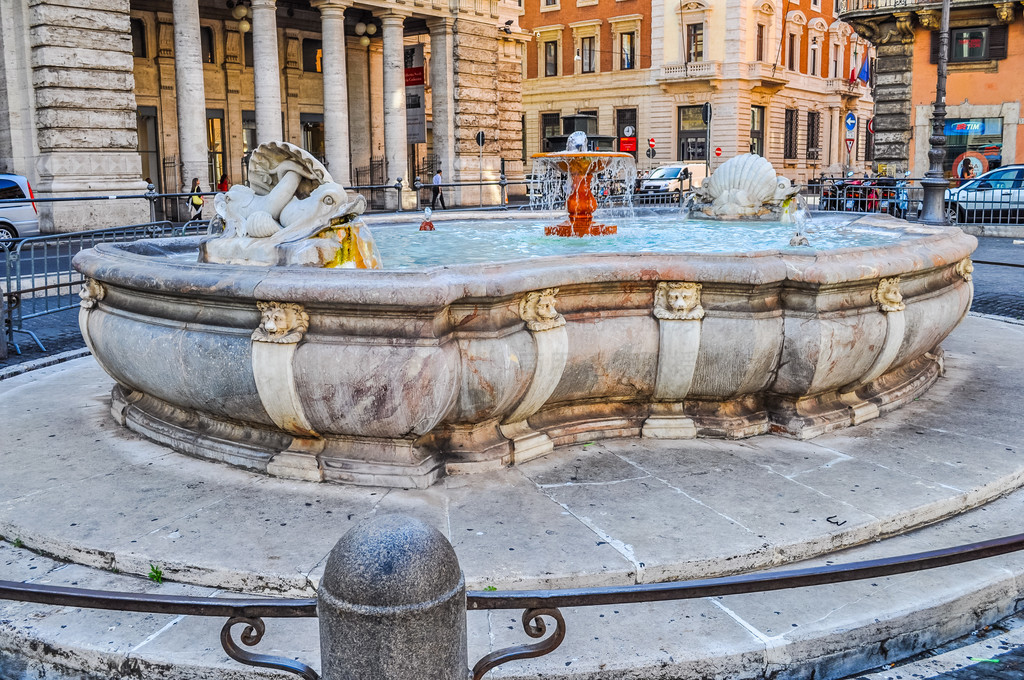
(851, 121)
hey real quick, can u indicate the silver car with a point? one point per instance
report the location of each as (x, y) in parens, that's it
(996, 196)
(17, 220)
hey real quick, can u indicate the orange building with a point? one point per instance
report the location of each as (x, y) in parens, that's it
(984, 88)
(777, 76)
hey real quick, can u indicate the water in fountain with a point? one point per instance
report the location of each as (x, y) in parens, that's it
(612, 186)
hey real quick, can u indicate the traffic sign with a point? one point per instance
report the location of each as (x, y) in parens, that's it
(851, 121)
(871, 125)
(650, 142)
(849, 146)
(650, 152)
(480, 138)
(705, 113)
(718, 151)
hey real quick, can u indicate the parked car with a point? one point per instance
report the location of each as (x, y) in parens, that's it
(996, 196)
(666, 179)
(17, 220)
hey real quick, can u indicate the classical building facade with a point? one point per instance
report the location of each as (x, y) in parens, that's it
(778, 77)
(96, 96)
(984, 89)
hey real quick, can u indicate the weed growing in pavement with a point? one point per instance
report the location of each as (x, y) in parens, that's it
(155, 574)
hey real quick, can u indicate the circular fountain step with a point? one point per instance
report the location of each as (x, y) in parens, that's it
(83, 490)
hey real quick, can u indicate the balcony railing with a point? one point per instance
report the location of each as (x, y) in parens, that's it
(844, 86)
(692, 70)
(871, 5)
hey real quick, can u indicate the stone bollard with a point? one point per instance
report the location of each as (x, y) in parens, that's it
(392, 604)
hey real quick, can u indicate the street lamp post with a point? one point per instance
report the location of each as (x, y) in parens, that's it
(934, 183)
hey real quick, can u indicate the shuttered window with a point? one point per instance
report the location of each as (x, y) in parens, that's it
(982, 43)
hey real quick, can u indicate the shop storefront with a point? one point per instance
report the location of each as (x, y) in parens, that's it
(973, 144)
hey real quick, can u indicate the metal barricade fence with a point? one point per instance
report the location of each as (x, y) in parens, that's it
(39, 278)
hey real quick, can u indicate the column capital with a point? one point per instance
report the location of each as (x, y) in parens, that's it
(330, 7)
(440, 24)
(264, 4)
(393, 18)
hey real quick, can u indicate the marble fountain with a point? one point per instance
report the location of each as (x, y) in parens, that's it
(274, 360)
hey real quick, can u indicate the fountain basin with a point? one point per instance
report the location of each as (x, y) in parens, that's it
(394, 378)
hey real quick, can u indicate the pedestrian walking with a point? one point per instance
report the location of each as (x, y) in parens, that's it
(223, 185)
(437, 192)
(195, 200)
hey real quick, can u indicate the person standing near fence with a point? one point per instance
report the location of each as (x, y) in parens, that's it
(437, 192)
(195, 200)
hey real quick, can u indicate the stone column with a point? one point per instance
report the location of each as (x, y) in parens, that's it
(191, 99)
(335, 69)
(395, 145)
(359, 106)
(266, 71)
(392, 604)
(442, 97)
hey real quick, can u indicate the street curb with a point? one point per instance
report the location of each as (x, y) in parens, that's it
(25, 367)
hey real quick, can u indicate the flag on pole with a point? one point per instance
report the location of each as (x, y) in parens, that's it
(865, 70)
(853, 68)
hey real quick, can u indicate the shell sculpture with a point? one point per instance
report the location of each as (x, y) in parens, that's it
(744, 186)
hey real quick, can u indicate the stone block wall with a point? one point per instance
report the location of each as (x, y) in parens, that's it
(85, 116)
(893, 124)
(488, 97)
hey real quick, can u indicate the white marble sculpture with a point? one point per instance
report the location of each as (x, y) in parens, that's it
(744, 186)
(292, 213)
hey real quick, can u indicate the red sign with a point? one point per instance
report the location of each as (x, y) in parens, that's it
(650, 142)
(414, 76)
(718, 151)
(627, 143)
(871, 125)
(849, 146)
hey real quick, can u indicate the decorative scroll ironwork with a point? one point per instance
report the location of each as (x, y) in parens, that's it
(534, 625)
(250, 637)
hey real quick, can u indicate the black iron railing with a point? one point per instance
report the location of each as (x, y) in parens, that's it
(537, 604)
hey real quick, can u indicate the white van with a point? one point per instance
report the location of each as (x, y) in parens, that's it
(17, 220)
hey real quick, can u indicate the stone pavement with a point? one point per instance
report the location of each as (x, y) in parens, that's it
(104, 504)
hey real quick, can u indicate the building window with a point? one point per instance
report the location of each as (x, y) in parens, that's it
(760, 42)
(813, 135)
(625, 130)
(312, 56)
(692, 134)
(139, 39)
(789, 144)
(694, 42)
(757, 130)
(206, 41)
(835, 61)
(313, 134)
(247, 48)
(812, 59)
(972, 44)
(587, 54)
(791, 61)
(551, 58)
(550, 3)
(627, 50)
(215, 144)
(550, 126)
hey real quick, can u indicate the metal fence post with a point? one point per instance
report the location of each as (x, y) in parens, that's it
(503, 183)
(417, 186)
(392, 604)
(398, 187)
(151, 196)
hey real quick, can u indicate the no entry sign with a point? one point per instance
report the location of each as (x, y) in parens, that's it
(718, 151)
